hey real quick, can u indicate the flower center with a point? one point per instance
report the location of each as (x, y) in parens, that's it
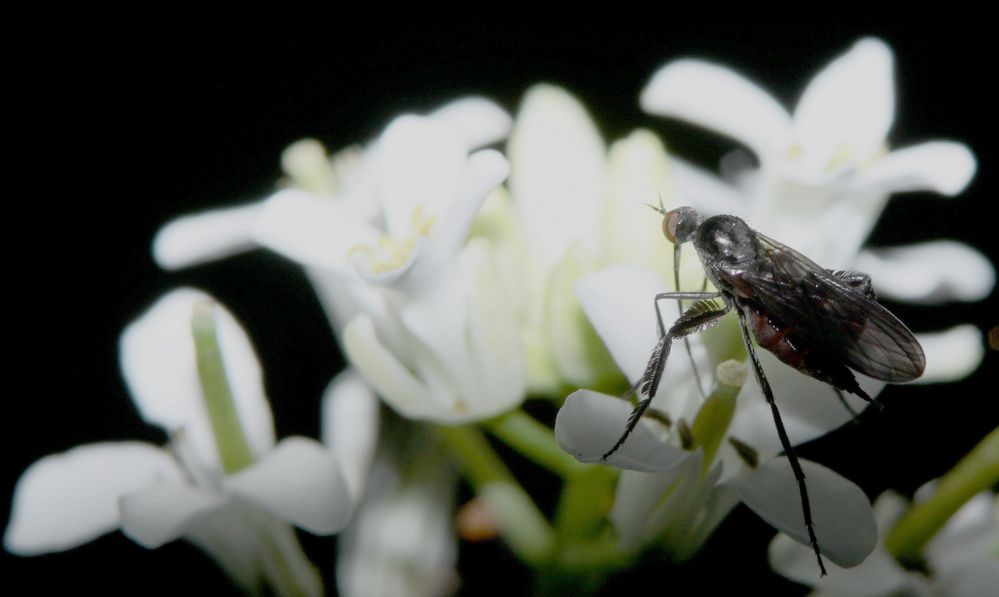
(389, 253)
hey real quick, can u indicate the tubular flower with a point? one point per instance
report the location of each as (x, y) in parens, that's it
(221, 483)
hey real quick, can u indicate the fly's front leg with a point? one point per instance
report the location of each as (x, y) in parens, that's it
(785, 443)
(698, 317)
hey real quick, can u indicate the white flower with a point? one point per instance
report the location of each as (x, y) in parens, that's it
(960, 560)
(577, 207)
(186, 490)
(618, 302)
(825, 174)
(418, 306)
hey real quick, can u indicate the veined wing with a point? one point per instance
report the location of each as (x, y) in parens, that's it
(833, 316)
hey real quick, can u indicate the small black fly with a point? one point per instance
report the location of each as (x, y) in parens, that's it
(821, 322)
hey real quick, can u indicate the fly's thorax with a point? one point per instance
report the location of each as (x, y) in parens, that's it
(725, 241)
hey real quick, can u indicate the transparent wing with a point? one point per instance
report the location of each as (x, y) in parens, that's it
(827, 312)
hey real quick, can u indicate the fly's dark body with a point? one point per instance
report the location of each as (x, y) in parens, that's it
(821, 322)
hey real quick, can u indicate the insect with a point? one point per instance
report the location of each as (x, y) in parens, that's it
(821, 322)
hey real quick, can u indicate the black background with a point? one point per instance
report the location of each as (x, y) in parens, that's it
(121, 121)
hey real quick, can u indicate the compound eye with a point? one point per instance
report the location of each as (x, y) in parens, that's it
(669, 224)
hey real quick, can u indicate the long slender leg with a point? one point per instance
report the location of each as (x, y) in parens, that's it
(785, 443)
(686, 341)
(696, 318)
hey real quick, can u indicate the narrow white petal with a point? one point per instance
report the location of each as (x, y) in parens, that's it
(951, 355)
(300, 482)
(158, 362)
(558, 178)
(705, 192)
(719, 99)
(67, 499)
(207, 236)
(351, 419)
(846, 111)
(879, 574)
(484, 171)
(161, 513)
(311, 230)
(590, 423)
(419, 166)
(944, 167)
(929, 273)
(477, 120)
(844, 521)
(404, 392)
(619, 303)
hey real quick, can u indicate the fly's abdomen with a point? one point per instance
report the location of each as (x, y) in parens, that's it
(776, 338)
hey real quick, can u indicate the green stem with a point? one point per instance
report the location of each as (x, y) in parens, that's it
(536, 441)
(521, 523)
(976, 472)
(234, 451)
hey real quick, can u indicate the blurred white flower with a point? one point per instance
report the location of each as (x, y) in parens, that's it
(824, 175)
(186, 490)
(417, 304)
(680, 494)
(961, 560)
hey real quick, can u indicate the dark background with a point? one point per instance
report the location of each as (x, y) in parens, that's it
(121, 121)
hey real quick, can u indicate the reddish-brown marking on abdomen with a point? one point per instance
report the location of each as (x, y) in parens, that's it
(776, 339)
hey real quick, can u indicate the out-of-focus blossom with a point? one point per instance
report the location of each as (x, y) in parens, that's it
(189, 489)
(824, 175)
(961, 560)
(701, 487)
(416, 302)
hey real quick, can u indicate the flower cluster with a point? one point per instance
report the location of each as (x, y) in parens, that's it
(459, 279)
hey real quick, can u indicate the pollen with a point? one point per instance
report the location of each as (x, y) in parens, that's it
(389, 253)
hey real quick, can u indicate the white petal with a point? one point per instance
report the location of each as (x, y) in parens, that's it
(404, 392)
(558, 179)
(929, 273)
(719, 99)
(477, 120)
(705, 192)
(164, 512)
(618, 301)
(847, 109)
(420, 162)
(158, 362)
(844, 521)
(878, 575)
(67, 499)
(484, 171)
(350, 427)
(951, 355)
(300, 482)
(310, 230)
(941, 166)
(207, 236)
(590, 423)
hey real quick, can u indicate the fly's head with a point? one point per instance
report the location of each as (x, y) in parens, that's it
(679, 224)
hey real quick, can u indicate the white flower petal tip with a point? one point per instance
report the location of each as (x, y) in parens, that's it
(929, 273)
(943, 167)
(67, 499)
(844, 521)
(477, 120)
(951, 355)
(300, 482)
(721, 100)
(879, 574)
(159, 365)
(350, 418)
(847, 107)
(589, 423)
(200, 238)
(159, 514)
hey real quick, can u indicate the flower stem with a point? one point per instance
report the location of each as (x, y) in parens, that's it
(535, 441)
(977, 471)
(521, 523)
(234, 451)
